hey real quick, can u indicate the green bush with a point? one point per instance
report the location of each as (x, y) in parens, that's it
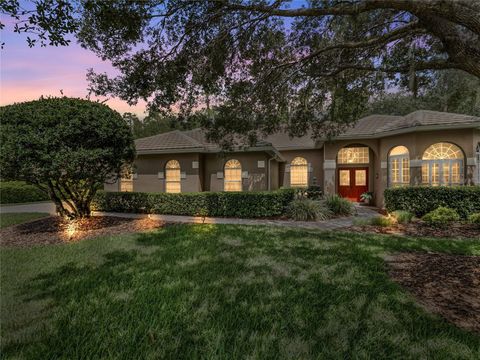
(420, 200)
(402, 216)
(338, 205)
(12, 192)
(474, 218)
(441, 216)
(220, 204)
(382, 221)
(306, 209)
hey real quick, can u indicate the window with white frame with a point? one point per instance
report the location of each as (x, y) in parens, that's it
(442, 164)
(399, 166)
(353, 155)
(173, 177)
(299, 172)
(126, 183)
(233, 176)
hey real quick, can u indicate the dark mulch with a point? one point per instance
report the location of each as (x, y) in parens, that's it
(420, 229)
(54, 230)
(448, 285)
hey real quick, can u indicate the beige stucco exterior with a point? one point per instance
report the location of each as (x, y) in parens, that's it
(263, 171)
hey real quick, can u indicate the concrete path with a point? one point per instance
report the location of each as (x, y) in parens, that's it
(42, 206)
(362, 212)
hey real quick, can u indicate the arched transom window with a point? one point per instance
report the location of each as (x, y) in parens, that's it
(172, 177)
(299, 172)
(353, 155)
(399, 166)
(233, 176)
(442, 164)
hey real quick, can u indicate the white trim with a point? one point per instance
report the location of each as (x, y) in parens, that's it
(194, 164)
(471, 161)
(329, 164)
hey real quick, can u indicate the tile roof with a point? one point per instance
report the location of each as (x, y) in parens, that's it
(370, 126)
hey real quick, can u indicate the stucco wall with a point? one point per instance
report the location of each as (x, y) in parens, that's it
(314, 158)
(257, 177)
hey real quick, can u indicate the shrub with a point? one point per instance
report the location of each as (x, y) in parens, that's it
(306, 209)
(312, 192)
(19, 192)
(226, 204)
(402, 216)
(420, 200)
(338, 205)
(382, 221)
(474, 218)
(441, 216)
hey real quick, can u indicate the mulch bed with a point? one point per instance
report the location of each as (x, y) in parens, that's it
(420, 229)
(448, 285)
(55, 230)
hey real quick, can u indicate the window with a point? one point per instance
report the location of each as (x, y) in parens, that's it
(172, 177)
(353, 155)
(442, 164)
(360, 177)
(344, 177)
(299, 172)
(399, 166)
(233, 176)
(126, 183)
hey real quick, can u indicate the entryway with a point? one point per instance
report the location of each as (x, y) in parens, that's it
(352, 182)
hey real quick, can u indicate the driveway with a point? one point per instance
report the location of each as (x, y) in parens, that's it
(43, 207)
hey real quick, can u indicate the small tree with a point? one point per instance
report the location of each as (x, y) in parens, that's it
(66, 147)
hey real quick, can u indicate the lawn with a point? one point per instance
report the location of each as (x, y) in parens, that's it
(229, 292)
(8, 219)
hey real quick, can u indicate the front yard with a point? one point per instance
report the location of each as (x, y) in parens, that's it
(223, 291)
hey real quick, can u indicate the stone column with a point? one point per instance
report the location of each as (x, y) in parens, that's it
(329, 176)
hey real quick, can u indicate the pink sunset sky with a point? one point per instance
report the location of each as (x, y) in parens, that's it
(27, 73)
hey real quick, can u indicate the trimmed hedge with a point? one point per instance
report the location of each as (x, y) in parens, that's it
(219, 204)
(420, 200)
(12, 192)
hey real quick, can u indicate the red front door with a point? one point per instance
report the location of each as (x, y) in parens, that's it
(352, 182)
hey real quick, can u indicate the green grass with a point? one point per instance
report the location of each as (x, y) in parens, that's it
(8, 219)
(222, 292)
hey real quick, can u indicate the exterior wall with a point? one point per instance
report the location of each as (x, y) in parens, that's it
(417, 143)
(314, 158)
(148, 168)
(256, 179)
(274, 174)
(331, 149)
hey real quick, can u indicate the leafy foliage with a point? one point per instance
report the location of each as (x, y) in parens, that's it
(306, 210)
(402, 216)
(339, 205)
(12, 192)
(65, 147)
(474, 218)
(423, 199)
(226, 204)
(441, 216)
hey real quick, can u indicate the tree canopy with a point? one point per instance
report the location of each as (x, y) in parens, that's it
(265, 64)
(66, 147)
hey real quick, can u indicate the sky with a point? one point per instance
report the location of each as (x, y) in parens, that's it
(28, 73)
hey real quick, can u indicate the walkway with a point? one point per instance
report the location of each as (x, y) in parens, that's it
(362, 212)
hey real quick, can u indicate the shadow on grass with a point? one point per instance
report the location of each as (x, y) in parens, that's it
(234, 292)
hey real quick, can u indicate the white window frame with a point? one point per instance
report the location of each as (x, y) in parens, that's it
(299, 164)
(441, 163)
(400, 158)
(168, 176)
(227, 175)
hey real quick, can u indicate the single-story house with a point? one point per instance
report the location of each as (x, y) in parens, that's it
(379, 151)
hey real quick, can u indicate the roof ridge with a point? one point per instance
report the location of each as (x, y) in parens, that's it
(182, 133)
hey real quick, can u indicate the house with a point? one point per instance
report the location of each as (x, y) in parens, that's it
(379, 151)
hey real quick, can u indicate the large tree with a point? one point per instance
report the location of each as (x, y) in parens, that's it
(66, 147)
(262, 64)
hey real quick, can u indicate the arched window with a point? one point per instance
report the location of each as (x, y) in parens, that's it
(299, 172)
(399, 166)
(172, 177)
(442, 165)
(353, 155)
(126, 183)
(233, 176)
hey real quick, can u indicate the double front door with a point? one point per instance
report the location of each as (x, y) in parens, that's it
(352, 182)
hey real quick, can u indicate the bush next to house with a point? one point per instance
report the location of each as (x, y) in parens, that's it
(221, 204)
(420, 200)
(338, 205)
(19, 192)
(307, 209)
(441, 216)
